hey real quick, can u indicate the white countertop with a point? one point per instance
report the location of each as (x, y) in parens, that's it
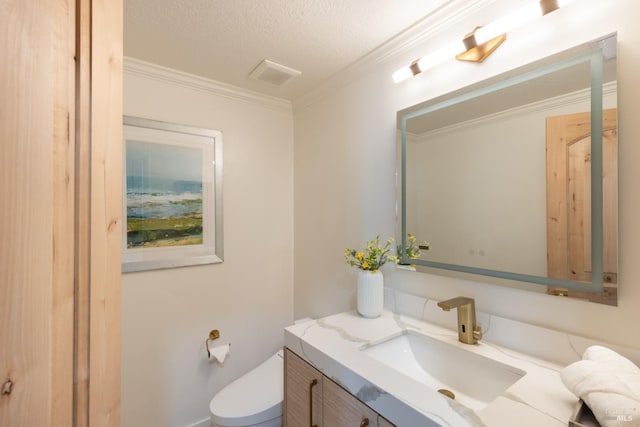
(333, 345)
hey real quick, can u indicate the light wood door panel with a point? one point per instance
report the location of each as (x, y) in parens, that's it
(37, 211)
(105, 214)
(61, 99)
(569, 203)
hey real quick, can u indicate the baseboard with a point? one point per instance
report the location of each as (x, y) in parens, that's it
(202, 423)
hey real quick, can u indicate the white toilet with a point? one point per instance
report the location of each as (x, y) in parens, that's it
(253, 400)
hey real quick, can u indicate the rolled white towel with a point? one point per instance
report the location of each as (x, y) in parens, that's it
(624, 369)
(611, 398)
(613, 361)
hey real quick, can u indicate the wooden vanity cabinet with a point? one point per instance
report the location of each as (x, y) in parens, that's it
(340, 408)
(383, 422)
(313, 400)
(302, 392)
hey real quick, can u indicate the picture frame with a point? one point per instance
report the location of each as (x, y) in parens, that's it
(172, 195)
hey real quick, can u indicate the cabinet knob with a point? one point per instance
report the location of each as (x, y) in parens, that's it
(364, 422)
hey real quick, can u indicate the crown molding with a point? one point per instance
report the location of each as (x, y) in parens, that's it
(179, 78)
(436, 22)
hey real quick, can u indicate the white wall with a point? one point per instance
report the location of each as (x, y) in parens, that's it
(345, 173)
(167, 314)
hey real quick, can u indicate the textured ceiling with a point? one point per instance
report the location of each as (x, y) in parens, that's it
(224, 40)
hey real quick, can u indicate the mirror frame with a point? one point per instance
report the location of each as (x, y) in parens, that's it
(595, 58)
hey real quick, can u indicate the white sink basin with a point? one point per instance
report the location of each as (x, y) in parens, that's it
(475, 380)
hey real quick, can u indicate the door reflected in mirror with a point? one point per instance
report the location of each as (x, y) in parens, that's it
(498, 177)
(569, 202)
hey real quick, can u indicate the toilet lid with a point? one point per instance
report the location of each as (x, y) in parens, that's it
(253, 398)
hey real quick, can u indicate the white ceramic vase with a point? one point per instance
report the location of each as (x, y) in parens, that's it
(370, 293)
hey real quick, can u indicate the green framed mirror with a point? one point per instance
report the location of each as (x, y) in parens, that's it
(515, 177)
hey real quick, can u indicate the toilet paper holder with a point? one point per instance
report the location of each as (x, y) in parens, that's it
(213, 335)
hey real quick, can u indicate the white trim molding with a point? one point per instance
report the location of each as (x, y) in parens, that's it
(180, 78)
(206, 422)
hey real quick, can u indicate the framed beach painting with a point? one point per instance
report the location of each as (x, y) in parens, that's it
(172, 195)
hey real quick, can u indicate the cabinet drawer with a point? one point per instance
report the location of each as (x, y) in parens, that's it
(341, 409)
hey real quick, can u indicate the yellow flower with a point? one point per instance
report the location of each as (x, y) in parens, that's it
(372, 257)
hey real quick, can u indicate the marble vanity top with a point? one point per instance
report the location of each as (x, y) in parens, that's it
(334, 346)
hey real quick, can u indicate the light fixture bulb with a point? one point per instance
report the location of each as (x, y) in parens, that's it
(441, 55)
(509, 22)
(402, 74)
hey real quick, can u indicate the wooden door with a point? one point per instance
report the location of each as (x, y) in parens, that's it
(303, 393)
(341, 409)
(37, 212)
(60, 154)
(98, 331)
(569, 203)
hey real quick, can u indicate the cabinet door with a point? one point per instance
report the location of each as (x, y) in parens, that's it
(341, 409)
(303, 393)
(382, 422)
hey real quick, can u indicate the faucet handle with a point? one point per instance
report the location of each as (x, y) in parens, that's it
(477, 333)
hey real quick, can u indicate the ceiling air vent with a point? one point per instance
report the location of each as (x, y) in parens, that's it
(272, 73)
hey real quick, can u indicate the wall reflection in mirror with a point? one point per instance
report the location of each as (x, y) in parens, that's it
(516, 177)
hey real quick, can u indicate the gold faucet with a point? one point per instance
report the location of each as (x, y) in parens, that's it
(468, 331)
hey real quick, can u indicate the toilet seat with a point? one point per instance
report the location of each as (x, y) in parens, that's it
(253, 398)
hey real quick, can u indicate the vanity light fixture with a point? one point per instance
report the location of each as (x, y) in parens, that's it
(482, 41)
(478, 53)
